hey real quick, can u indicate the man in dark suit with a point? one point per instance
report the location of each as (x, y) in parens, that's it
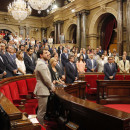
(110, 69)
(85, 56)
(11, 67)
(64, 57)
(59, 67)
(60, 50)
(2, 66)
(29, 62)
(71, 70)
(91, 64)
(22, 48)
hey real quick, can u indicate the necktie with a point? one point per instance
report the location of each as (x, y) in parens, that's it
(124, 65)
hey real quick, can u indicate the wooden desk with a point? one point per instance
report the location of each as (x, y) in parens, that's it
(113, 92)
(77, 89)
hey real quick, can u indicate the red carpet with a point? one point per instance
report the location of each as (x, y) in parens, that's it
(121, 107)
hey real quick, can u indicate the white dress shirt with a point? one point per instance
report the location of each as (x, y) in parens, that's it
(92, 63)
(21, 65)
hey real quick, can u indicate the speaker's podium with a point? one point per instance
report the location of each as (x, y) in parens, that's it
(12, 118)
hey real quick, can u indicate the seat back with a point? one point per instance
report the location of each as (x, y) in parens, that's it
(91, 80)
(127, 77)
(14, 91)
(119, 77)
(2, 91)
(22, 87)
(31, 83)
(7, 92)
(101, 77)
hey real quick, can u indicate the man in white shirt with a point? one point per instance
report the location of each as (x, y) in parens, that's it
(50, 40)
(101, 63)
(124, 65)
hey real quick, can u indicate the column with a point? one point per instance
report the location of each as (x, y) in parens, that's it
(78, 29)
(128, 27)
(57, 26)
(120, 27)
(21, 30)
(43, 30)
(59, 23)
(27, 31)
(55, 39)
(84, 14)
(59, 31)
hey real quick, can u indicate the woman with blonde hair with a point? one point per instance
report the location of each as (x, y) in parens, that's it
(20, 63)
(54, 73)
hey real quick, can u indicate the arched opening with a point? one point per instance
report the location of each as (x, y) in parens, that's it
(107, 32)
(72, 33)
(52, 34)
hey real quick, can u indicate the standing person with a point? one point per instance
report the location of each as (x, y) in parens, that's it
(124, 65)
(85, 55)
(20, 63)
(101, 63)
(44, 84)
(3, 66)
(64, 57)
(50, 40)
(81, 64)
(29, 62)
(110, 69)
(62, 38)
(91, 64)
(59, 67)
(71, 70)
(11, 67)
(60, 50)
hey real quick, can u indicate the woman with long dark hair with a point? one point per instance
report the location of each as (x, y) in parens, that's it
(81, 64)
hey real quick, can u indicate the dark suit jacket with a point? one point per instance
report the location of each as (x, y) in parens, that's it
(10, 65)
(2, 64)
(85, 58)
(109, 72)
(30, 64)
(128, 58)
(89, 65)
(53, 74)
(64, 59)
(60, 69)
(71, 73)
(59, 51)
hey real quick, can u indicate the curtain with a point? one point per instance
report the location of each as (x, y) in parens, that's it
(108, 32)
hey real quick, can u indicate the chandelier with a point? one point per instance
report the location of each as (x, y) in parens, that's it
(19, 10)
(40, 4)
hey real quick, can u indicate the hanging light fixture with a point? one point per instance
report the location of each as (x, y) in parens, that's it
(19, 10)
(40, 4)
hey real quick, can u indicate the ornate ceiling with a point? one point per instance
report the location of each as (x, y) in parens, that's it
(5, 3)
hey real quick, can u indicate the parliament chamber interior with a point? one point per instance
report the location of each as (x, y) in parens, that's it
(64, 64)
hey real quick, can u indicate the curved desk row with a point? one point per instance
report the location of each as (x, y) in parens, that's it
(84, 114)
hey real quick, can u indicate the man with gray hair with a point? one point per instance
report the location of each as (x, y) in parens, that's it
(91, 64)
(64, 57)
